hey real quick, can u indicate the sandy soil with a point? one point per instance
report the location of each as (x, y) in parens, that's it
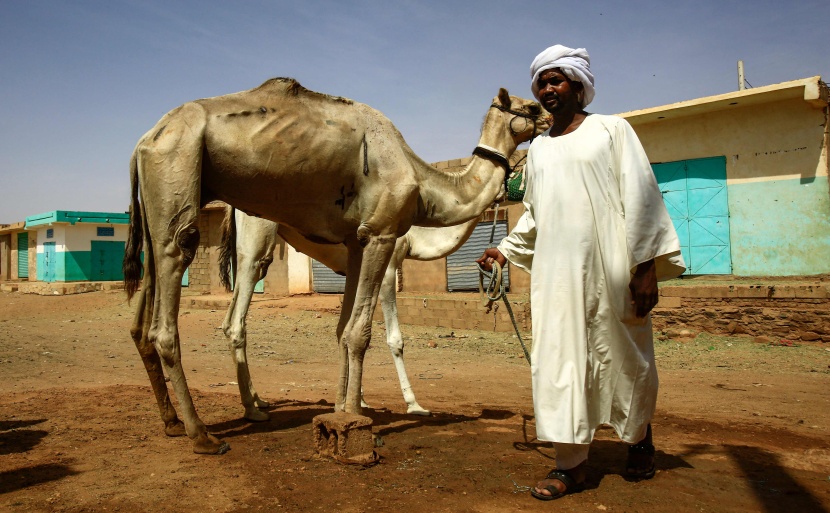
(741, 426)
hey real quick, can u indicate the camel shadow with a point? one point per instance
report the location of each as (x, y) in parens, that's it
(284, 415)
(13, 439)
(13, 480)
(394, 424)
(288, 414)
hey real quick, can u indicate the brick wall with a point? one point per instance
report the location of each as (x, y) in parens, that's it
(203, 273)
(199, 270)
(462, 312)
(793, 312)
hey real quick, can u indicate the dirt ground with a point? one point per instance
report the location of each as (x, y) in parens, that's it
(741, 426)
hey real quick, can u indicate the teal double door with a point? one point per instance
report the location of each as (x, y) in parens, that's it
(695, 195)
(106, 258)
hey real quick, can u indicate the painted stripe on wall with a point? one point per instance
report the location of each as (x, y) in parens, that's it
(73, 266)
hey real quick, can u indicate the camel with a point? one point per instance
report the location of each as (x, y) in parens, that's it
(248, 245)
(334, 170)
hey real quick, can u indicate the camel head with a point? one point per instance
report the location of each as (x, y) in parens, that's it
(525, 119)
(509, 122)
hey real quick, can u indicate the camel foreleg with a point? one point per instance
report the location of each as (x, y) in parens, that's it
(353, 269)
(376, 253)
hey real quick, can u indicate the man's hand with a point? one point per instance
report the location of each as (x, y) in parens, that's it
(643, 288)
(491, 255)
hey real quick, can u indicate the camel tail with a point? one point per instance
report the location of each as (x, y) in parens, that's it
(135, 237)
(227, 252)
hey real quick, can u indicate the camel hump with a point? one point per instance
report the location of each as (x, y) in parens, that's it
(290, 86)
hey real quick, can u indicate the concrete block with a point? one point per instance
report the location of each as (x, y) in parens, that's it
(345, 437)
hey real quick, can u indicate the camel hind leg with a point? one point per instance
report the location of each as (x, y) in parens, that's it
(394, 338)
(152, 363)
(170, 187)
(171, 260)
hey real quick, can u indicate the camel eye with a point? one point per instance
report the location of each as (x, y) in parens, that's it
(534, 109)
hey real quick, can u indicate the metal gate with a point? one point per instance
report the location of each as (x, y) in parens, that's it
(462, 271)
(23, 255)
(695, 195)
(325, 280)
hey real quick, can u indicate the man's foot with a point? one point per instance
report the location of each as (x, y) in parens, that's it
(559, 483)
(640, 464)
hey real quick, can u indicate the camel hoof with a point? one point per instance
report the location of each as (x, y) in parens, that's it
(209, 444)
(175, 428)
(416, 409)
(256, 415)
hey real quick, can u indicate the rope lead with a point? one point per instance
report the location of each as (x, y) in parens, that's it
(495, 291)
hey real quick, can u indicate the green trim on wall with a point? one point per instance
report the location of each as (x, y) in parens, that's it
(72, 217)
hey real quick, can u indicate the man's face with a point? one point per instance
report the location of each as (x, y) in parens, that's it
(557, 92)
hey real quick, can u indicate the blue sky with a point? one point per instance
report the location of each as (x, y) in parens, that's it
(82, 80)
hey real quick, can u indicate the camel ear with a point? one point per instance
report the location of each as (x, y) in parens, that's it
(504, 98)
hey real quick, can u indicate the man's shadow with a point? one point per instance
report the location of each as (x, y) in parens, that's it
(608, 457)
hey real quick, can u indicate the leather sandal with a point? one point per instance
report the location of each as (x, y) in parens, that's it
(571, 486)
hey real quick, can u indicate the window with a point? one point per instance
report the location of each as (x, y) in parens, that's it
(106, 231)
(50, 233)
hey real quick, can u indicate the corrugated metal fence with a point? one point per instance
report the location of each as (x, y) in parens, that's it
(462, 271)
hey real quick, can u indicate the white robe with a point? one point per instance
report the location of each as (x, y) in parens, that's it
(593, 212)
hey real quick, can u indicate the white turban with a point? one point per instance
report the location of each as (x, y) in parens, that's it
(574, 63)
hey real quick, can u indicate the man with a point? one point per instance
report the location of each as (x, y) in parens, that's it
(597, 238)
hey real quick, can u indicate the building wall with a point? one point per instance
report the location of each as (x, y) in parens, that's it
(299, 272)
(73, 249)
(277, 281)
(13, 275)
(5, 257)
(777, 184)
(32, 257)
